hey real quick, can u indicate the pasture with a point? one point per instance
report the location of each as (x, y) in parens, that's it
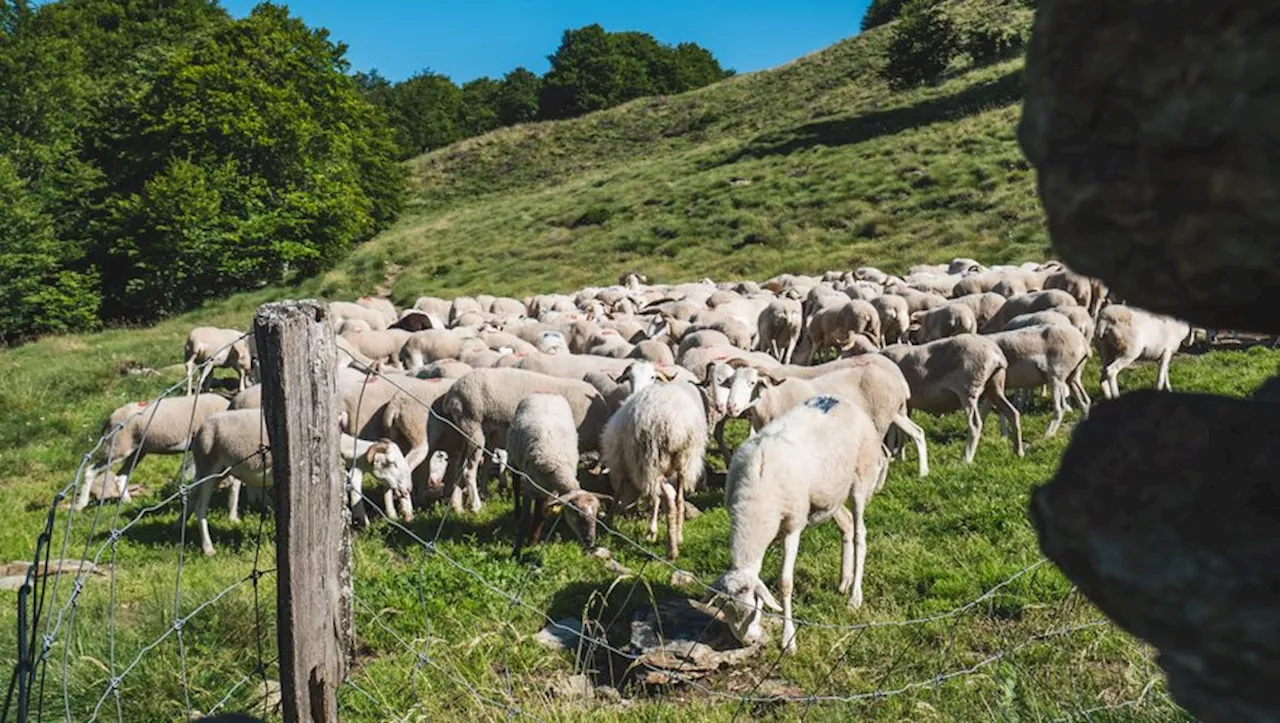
(447, 628)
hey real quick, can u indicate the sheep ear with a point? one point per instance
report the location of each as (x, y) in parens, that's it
(766, 597)
(709, 377)
(663, 374)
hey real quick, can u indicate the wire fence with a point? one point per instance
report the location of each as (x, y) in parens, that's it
(447, 623)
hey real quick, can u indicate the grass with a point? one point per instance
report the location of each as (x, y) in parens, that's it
(810, 166)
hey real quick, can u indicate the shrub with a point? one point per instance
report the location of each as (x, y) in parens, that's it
(923, 43)
(991, 37)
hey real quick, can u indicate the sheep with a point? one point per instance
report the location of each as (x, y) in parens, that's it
(163, 426)
(954, 373)
(502, 340)
(739, 334)
(217, 348)
(871, 381)
(443, 369)
(939, 284)
(1126, 334)
(570, 366)
(833, 326)
(985, 305)
(660, 433)
(542, 443)
(870, 273)
(480, 406)
(340, 311)
(403, 419)
(230, 444)
(778, 329)
(380, 346)
(797, 471)
(942, 322)
(1076, 316)
(1026, 304)
(895, 317)
(382, 306)
(508, 307)
(703, 338)
(462, 306)
(1049, 354)
(919, 300)
(432, 345)
(413, 320)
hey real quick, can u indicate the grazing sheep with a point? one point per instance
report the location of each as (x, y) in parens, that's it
(217, 348)
(942, 322)
(542, 443)
(779, 329)
(403, 419)
(230, 444)
(833, 326)
(871, 381)
(163, 426)
(1050, 354)
(797, 471)
(480, 406)
(895, 317)
(659, 434)
(955, 373)
(1126, 334)
(984, 305)
(1026, 304)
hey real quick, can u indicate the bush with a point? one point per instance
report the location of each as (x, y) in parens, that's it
(991, 38)
(923, 43)
(880, 12)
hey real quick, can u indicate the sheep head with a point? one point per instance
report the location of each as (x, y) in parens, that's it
(742, 597)
(587, 510)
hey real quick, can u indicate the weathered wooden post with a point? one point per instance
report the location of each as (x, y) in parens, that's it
(313, 546)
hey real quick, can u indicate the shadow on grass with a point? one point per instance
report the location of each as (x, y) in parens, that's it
(844, 131)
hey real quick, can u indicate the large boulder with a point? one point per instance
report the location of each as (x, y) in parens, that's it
(1166, 513)
(1154, 126)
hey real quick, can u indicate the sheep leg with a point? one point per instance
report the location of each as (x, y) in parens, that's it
(653, 518)
(1060, 393)
(1076, 386)
(524, 520)
(389, 505)
(1162, 378)
(191, 367)
(233, 500)
(859, 551)
(203, 495)
(86, 488)
(844, 520)
(791, 349)
(472, 469)
(995, 395)
(975, 428)
(355, 499)
(539, 520)
(790, 548)
(406, 507)
(680, 513)
(903, 422)
(669, 501)
(1110, 377)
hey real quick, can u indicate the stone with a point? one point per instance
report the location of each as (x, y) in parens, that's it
(682, 639)
(572, 687)
(564, 635)
(609, 693)
(1154, 128)
(14, 574)
(681, 578)
(1166, 513)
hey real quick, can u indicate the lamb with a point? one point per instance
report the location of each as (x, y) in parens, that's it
(1026, 304)
(1126, 334)
(217, 348)
(480, 406)
(797, 471)
(163, 426)
(954, 373)
(1051, 354)
(542, 443)
(871, 381)
(660, 434)
(230, 444)
(779, 329)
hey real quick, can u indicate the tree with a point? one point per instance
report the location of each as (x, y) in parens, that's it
(478, 112)
(922, 44)
(992, 34)
(880, 12)
(39, 292)
(517, 100)
(425, 111)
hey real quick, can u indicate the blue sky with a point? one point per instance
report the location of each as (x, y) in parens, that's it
(467, 40)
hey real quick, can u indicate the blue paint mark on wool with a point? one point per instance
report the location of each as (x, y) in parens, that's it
(823, 403)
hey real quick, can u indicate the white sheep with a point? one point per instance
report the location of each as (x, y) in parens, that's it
(1126, 334)
(233, 444)
(163, 426)
(217, 348)
(797, 471)
(1052, 354)
(779, 329)
(542, 443)
(340, 311)
(1026, 304)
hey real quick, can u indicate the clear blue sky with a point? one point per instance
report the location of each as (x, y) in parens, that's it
(467, 40)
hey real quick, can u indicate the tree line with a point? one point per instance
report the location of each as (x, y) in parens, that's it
(592, 69)
(155, 154)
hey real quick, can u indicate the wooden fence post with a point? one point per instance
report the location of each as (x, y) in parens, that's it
(313, 545)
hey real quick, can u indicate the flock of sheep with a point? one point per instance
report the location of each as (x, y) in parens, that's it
(638, 379)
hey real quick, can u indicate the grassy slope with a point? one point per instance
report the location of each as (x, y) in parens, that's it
(811, 166)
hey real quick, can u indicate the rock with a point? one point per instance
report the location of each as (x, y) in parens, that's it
(680, 578)
(1164, 512)
(682, 640)
(609, 693)
(573, 687)
(564, 635)
(14, 574)
(1154, 128)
